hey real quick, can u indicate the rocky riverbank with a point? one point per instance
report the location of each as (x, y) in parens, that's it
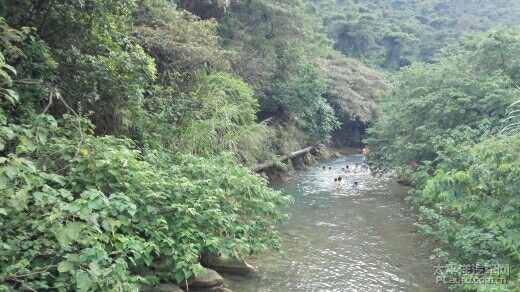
(209, 280)
(285, 171)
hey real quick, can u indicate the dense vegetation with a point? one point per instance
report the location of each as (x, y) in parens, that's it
(125, 127)
(393, 33)
(445, 125)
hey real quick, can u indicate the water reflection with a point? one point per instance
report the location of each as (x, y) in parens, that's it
(344, 240)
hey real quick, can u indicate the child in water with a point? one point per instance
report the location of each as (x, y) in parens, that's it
(335, 184)
(355, 186)
(323, 169)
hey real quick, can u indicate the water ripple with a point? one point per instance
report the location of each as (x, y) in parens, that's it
(344, 240)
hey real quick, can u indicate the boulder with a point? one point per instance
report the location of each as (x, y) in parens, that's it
(324, 154)
(209, 278)
(309, 159)
(167, 287)
(226, 264)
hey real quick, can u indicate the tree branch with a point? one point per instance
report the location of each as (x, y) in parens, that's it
(59, 97)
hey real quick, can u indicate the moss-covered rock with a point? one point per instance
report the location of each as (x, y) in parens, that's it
(323, 152)
(226, 264)
(209, 278)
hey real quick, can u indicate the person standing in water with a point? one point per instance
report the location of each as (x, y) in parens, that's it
(365, 151)
(337, 183)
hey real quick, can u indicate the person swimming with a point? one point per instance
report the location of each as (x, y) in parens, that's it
(323, 169)
(339, 182)
(346, 169)
(355, 186)
(335, 184)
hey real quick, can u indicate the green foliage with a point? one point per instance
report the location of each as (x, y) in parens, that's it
(92, 212)
(433, 109)
(223, 119)
(300, 99)
(512, 120)
(274, 41)
(474, 212)
(96, 98)
(185, 48)
(391, 34)
(99, 68)
(100, 218)
(439, 127)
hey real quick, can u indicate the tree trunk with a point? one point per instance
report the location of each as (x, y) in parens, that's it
(267, 164)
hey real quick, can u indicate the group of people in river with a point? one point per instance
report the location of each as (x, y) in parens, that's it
(358, 168)
(363, 168)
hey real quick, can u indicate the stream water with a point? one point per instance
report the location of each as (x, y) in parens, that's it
(344, 240)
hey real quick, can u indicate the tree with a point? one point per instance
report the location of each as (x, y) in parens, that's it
(458, 99)
(440, 126)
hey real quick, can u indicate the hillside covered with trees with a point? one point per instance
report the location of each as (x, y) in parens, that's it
(393, 33)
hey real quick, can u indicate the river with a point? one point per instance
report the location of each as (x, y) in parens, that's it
(344, 240)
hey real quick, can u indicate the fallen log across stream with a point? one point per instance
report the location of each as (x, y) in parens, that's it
(267, 164)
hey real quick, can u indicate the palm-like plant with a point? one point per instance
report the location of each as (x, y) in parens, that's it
(512, 119)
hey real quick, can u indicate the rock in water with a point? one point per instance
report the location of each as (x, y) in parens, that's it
(226, 264)
(208, 279)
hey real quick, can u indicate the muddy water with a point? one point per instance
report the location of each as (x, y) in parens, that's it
(344, 240)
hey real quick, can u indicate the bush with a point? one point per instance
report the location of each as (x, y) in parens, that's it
(105, 217)
(473, 212)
